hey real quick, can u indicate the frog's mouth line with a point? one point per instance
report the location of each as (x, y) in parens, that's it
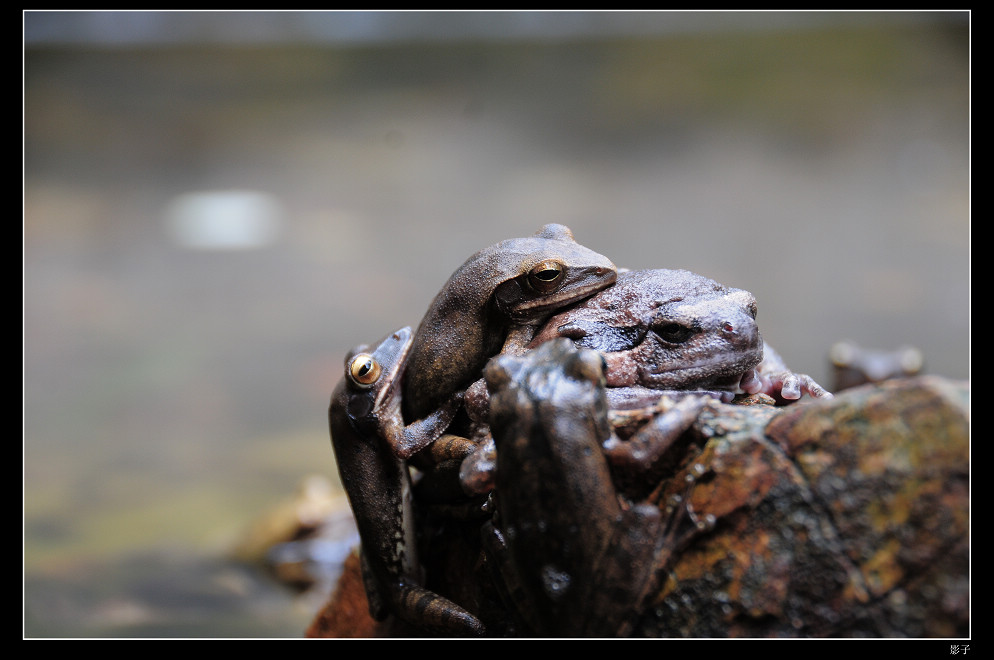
(631, 397)
(537, 307)
(716, 371)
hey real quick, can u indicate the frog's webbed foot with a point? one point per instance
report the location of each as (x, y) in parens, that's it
(792, 386)
(774, 378)
(450, 447)
(439, 464)
(461, 469)
(784, 386)
(643, 451)
(477, 402)
(476, 473)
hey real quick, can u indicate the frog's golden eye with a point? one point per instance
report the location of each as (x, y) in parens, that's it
(363, 370)
(547, 276)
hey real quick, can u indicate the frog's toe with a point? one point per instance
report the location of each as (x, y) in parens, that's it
(751, 383)
(813, 389)
(790, 387)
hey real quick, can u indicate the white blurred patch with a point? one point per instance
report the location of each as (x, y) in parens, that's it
(224, 220)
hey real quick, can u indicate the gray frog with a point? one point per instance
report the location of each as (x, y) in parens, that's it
(667, 329)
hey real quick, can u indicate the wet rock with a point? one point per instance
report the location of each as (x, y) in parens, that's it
(846, 517)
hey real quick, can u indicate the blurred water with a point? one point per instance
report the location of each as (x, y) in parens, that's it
(173, 393)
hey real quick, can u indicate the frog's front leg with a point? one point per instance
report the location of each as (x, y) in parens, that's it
(477, 398)
(441, 478)
(476, 472)
(637, 455)
(518, 338)
(651, 443)
(783, 386)
(772, 377)
(406, 441)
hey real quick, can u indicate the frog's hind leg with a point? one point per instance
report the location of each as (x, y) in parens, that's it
(423, 609)
(432, 612)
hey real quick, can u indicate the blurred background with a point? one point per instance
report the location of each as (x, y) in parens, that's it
(218, 205)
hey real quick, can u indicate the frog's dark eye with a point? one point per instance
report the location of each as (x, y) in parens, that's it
(547, 276)
(363, 370)
(601, 336)
(673, 333)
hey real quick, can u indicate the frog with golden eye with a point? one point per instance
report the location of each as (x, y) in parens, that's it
(366, 431)
(494, 303)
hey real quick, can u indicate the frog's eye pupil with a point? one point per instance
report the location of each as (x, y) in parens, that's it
(364, 370)
(674, 333)
(546, 276)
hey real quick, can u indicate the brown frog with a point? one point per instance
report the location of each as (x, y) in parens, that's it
(570, 555)
(367, 432)
(676, 330)
(494, 303)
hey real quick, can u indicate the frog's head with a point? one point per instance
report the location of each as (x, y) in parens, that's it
(666, 329)
(697, 342)
(372, 376)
